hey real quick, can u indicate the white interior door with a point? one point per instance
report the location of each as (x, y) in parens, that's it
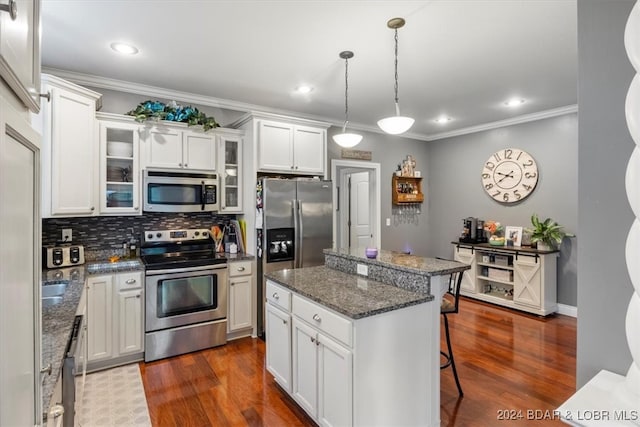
(360, 210)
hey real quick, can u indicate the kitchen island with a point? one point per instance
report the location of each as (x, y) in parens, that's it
(356, 349)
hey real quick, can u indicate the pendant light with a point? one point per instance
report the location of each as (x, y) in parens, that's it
(397, 124)
(344, 139)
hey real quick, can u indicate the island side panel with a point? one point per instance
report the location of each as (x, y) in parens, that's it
(396, 378)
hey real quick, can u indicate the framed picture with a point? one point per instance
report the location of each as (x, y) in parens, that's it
(513, 234)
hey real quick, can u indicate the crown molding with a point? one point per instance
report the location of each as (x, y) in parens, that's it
(210, 101)
(554, 112)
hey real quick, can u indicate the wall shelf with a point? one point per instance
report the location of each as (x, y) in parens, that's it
(406, 189)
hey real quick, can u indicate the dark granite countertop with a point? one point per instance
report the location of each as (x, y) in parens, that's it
(57, 320)
(402, 262)
(353, 296)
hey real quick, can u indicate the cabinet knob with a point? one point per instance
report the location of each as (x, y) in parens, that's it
(130, 281)
(317, 318)
(233, 283)
(240, 268)
(12, 8)
(296, 168)
(180, 164)
(185, 165)
(135, 208)
(93, 208)
(46, 95)
(284, 321)
(276, 296)
(138, 296)
(291, 166)
(313, 339)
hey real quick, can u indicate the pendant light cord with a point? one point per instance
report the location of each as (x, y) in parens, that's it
(346, 93)
(396, 65)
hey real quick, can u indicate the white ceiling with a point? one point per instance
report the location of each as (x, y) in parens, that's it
(461, 58)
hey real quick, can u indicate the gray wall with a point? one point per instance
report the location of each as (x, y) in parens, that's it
(604, 216)
(408, 231)
(455, 188)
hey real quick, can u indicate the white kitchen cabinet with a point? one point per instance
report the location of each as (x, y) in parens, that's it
(346, 371)
(278, 331)
(240, 297)
(174, 146)
(115, 309)
(120, 188)
(291, 148)
(20, 228)
(70, 149)
(20, 51)
(514, 277)
(99, 317)
(230, 169)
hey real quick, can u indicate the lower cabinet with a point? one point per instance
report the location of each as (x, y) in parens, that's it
(115, 313)
(345, 372)
(240, 313)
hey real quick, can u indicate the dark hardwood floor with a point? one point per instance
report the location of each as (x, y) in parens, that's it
(513, 366)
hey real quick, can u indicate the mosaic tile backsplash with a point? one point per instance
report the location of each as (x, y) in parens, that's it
(103, 236)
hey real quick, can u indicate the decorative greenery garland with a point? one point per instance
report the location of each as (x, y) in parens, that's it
(173, 112)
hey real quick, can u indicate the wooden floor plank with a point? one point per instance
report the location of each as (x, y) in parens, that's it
(511, 364)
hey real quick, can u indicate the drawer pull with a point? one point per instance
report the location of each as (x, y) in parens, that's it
(130, 281)
(317, 318)
(240, 268)
(276, 296)
(284, 321)
(138, 296)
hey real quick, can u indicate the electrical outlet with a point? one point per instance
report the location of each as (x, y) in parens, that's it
(388, 222)
(67, 235)
(362, 269)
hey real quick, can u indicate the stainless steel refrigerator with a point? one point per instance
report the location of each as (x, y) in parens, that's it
(297, 224)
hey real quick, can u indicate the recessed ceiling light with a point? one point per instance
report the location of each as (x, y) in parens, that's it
(514, 102)
(442, 120)
(127, 49)
(304, 89)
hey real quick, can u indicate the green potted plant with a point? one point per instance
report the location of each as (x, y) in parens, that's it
(548, 234)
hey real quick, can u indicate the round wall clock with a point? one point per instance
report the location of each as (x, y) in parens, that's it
(509, 175)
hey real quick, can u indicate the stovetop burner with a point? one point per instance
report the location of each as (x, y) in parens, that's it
(177, 249)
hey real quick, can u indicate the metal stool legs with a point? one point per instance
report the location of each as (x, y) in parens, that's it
(449, 357)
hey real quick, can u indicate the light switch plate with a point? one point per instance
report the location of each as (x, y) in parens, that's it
(388, 222)
(67, 235)
(362, 269)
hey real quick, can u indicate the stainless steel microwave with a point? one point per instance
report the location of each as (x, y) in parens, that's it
(175, 191)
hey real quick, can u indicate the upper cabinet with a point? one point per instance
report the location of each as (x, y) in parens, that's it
(69, 149)
(292, 148)
(176, 147)
(119, 190)
(230, 169)
(20, 50)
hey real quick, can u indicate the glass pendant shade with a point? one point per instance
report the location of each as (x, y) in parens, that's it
(397, 124)
(346, 139)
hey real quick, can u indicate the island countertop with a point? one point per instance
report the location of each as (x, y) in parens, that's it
(402, 262)
(353, 296)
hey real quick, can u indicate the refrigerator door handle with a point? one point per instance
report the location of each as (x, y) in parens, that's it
(296, 234)
(300, 234)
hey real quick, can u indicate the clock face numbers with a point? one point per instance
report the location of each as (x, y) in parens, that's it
(509, 175)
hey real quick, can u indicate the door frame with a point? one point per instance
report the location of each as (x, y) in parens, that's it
(337, 169)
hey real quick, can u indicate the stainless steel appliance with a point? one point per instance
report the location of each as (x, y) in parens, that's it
(172, 191)
(297, 224)
(186, 292)
(62, 256)
(74, 363)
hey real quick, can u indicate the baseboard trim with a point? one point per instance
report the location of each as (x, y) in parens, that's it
(568, 310)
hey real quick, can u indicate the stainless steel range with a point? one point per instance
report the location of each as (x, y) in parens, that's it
(186, 292)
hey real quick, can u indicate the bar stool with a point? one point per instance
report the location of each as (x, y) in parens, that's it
(449, 305)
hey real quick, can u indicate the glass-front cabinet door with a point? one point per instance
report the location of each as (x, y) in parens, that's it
(230, 149)
(119, 167)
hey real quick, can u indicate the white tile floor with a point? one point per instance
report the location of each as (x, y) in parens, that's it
(114, 398)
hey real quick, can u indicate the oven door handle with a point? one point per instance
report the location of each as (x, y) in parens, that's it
(184, 270)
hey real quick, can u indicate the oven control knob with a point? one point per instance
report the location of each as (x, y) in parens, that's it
(158, 235)
(149, 236)
(205, 234)
(197, 233)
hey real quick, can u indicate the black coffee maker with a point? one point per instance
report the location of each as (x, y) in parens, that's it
(472, 231)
